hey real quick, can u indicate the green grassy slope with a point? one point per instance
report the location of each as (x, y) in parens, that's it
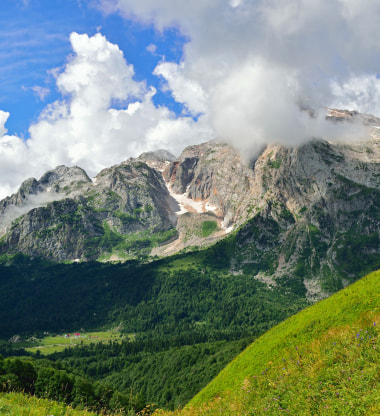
(324, 360)
(17, 404)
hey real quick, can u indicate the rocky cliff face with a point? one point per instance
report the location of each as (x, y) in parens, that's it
(306, 218)
(214, 173)
(316, 215)
(54, 185)
(66, 216)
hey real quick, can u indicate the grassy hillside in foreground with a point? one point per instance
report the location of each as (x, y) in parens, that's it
(17, 404)
(323, 361)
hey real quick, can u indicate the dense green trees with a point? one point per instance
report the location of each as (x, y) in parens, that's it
(188, 320)
(193, 300)
(43, 380)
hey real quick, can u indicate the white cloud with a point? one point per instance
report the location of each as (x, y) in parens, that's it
(256, 105)
(13, 159)
(250, 65)
(179, 133)
(3, 119)
(15, 164)
(358, 93)
(41, 92)
(152, 48)
(235, 3)
(97, 73)
(85, 128)
(184, 90)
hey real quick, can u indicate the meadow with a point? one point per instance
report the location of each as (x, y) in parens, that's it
(18, 404)
(56, 343)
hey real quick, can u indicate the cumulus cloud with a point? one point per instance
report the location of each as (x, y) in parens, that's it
(252, 67)
(13, 160)
(184, 90)
(248, 73)
(104, 117)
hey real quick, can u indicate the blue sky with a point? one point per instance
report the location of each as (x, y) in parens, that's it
(93, 82)
(35, 41)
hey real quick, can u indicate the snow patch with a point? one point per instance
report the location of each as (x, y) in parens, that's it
(229, 229)
(224, 227)
(187, 204)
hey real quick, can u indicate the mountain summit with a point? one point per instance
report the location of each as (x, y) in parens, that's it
(304, 217)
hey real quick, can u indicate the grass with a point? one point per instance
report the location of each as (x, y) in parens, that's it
(17, 404)
(51, 344)
(323, 361)
(208, 227)
(129, 246)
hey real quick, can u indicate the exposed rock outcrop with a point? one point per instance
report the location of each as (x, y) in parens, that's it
(307, 216)
(66, 216)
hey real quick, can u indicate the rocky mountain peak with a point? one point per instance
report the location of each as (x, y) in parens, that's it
(54, 185)
(300, 213)
(64, 177)
(66, 216)
(157, 160)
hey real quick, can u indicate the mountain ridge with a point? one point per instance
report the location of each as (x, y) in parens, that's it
(297, 212)
(255, 241)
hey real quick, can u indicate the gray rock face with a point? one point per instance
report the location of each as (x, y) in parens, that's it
(133, 188)
(158, 159)
(306, 214)
(66, 216)
(294, 177)
(54, 185)
(316, 214)
(307, 218)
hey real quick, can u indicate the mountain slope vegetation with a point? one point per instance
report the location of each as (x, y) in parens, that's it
(306, 216)
(18, 404)
(182, 313)
(324, 360)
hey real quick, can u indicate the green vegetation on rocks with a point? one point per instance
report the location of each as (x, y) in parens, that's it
(208, 227)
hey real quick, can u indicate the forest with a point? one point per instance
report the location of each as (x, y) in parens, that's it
(188, 319)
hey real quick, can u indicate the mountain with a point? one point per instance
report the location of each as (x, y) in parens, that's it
(303, 218)
(67, 216)
(259, 240)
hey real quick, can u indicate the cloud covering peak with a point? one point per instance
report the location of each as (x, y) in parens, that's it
(254, 66)
(249, 70)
